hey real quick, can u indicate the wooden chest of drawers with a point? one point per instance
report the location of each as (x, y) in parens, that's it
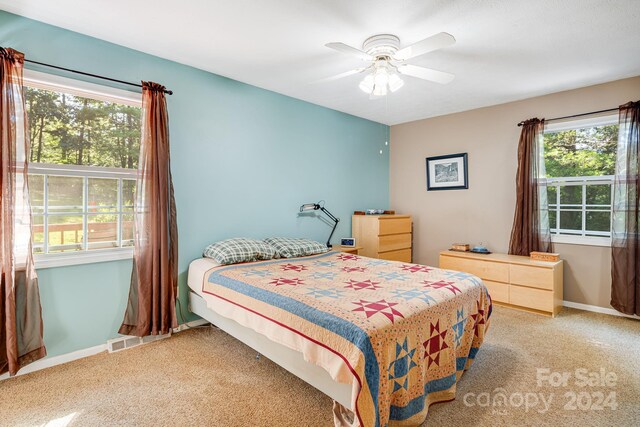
(383, 236)
(512, 280)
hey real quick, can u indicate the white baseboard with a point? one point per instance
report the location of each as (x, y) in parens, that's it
(48, 362)
(597, 309)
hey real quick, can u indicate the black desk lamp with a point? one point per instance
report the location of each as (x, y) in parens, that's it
(315, 207)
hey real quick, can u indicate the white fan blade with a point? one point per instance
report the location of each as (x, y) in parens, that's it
(426, 74)
(351, 51)
(341, 75)
(427, 45)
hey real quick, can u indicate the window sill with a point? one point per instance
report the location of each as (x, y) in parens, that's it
(66, 259)
(581, 240)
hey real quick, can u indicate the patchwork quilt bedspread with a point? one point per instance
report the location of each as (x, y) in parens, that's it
(406, 332)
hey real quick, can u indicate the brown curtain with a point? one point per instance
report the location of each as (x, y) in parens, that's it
(625, 250)
(154, 279)
(530, 230)
(20, 313)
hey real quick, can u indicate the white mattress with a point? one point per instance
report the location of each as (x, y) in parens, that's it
(198, 270)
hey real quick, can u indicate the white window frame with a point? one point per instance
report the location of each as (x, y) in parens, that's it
(51, 82)
(579, 238)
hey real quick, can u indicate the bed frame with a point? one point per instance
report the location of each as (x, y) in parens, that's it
(291, 360)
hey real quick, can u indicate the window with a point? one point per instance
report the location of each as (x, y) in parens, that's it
(580, 158)
(85, 142)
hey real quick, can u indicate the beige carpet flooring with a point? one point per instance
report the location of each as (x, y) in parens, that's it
(203, 377)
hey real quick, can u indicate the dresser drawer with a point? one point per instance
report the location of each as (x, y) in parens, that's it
(487, 270)
(535, 277)
(394, 242)
(499, 292)
(538, 299)
(403, 255)
(394, 226)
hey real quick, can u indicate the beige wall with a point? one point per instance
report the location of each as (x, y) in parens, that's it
(484, 212)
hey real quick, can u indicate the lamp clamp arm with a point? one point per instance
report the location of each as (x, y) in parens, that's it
(329, 214)
(335, 224)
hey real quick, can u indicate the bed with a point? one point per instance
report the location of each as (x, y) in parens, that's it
(383, 339)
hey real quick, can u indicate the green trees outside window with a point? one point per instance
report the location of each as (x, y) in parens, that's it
(579, 164)
(72, 212)
(72, 130)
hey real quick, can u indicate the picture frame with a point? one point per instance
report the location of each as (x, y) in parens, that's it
(448, 172)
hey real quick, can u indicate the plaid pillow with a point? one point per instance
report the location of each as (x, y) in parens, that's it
(290, 248)
(234, 251)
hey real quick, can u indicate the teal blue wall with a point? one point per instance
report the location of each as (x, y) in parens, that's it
(243, 159)
(82, 305)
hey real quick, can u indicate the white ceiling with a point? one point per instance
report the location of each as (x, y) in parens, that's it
(506, 49)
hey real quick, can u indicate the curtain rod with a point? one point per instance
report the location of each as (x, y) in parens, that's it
(577, 115)
(168, 92)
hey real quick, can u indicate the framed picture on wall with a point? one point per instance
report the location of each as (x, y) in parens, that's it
(447, 172)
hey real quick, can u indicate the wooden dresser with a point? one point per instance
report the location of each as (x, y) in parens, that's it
(515, 281)
(383, 236)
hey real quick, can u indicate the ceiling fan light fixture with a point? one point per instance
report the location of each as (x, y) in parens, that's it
(381, 82)
(381, 77)
(367, 84)
(379, 90)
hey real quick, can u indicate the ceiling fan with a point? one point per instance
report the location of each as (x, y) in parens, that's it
(387, 61)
